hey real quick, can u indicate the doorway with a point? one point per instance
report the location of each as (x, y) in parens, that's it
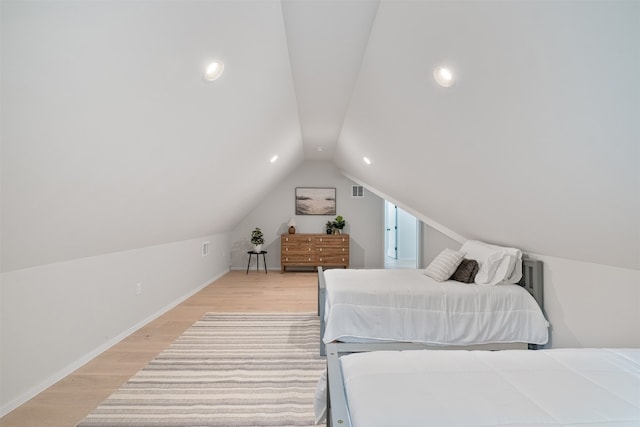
(401, 238)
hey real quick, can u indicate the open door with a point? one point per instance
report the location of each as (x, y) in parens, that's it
(391, 225)
(402, 238)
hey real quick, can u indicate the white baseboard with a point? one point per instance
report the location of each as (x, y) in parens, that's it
(34, 391)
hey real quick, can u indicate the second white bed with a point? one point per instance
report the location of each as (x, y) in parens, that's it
(559, 387)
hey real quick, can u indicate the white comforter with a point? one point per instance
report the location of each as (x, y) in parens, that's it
(407, 305)
(559, 387)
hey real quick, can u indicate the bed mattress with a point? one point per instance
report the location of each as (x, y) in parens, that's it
(407, 305)
(559, 387)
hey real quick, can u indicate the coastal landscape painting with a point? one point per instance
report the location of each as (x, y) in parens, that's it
(315, 201)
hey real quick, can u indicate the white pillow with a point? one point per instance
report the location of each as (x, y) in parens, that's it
(514, 270)
(497, 262)
(516, 274)
(494, 262)
(444, 265)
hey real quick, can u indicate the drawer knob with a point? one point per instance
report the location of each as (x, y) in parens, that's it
(320, 249)
(286, 239)
(286, 249)
(309, 249)
(320, 259)
(309, 238)
(286, 259)
(309, 259)
(321, 239)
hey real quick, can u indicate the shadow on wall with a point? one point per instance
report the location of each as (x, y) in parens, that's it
(356, 255)
(550, 294)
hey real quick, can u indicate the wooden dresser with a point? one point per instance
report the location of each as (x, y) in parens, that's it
(312, 250)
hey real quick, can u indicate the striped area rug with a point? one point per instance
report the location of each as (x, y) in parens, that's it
(225, 370)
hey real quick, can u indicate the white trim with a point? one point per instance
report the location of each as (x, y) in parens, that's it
(431, 223)
(35, 390)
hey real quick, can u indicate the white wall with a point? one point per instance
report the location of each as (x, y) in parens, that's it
(433, 242)
(364, 216)
(57, 317)
(591, 305)
(407, 238)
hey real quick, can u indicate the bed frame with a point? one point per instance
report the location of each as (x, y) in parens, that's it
(531, 281)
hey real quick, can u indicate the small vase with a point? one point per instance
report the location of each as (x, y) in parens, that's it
(336, 231)
(257, 248)
(292, 230)
(329, 231)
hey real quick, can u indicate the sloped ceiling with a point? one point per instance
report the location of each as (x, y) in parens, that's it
(326, 42)
(111, 139)
(537, 144)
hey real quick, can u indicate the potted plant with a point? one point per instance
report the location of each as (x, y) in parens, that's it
(257, 240)
(338, 224)
(329, 227)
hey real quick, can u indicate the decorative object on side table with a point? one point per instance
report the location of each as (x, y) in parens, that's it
(329, 227)
(257, 240)
(292, 226)
(338, 224)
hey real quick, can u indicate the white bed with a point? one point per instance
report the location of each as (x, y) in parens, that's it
(557, 387)
(409, 306)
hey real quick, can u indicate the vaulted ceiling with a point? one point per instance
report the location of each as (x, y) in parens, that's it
(112, 140)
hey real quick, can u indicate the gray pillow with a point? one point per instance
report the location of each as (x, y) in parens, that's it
(466, 271)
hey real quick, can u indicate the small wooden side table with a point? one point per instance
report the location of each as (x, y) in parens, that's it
(257, 254)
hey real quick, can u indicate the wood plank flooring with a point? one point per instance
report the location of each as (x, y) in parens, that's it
(71, 399)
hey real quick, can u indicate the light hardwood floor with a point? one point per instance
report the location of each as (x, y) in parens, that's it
(68, 401)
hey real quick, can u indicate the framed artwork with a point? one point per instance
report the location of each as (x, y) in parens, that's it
(315, 201)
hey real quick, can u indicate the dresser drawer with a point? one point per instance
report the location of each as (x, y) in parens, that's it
(329, 250)
(330, 241)
(299, 259)
(298, 247)
(297, 239)
(333, 260)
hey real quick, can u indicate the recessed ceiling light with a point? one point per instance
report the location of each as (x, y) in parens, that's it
(443, 76)
(366, 160)
(273, 159)
(214, 71)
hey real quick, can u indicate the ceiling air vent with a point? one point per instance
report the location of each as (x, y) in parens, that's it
(357, 191)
